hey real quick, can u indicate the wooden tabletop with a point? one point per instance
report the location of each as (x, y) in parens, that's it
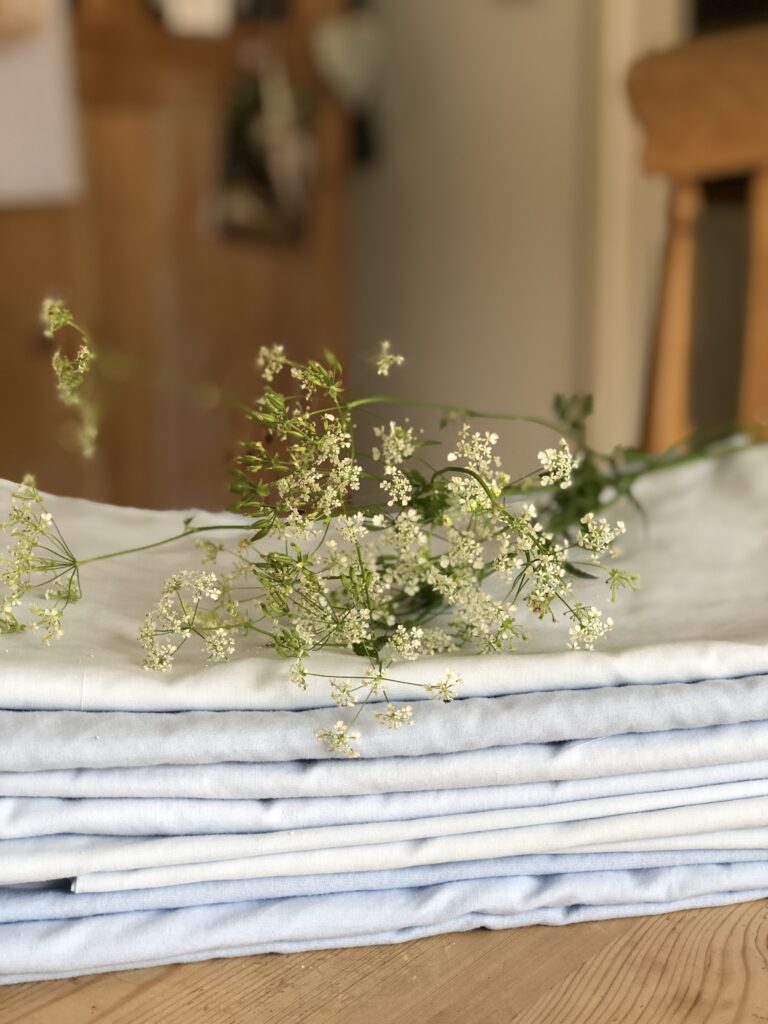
(694, 967)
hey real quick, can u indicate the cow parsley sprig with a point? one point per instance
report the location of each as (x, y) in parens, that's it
(71, 372)
(384, 555)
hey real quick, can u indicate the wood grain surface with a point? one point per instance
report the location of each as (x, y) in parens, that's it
(697, 967)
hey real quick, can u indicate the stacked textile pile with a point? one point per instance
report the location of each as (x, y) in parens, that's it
(149, 818)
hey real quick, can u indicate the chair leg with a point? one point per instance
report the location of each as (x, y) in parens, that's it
(668, 418)
(753, 393)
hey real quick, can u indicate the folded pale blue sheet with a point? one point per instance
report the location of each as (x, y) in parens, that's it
(554, 763)
(44, 740)
(62, 948)
(149, 820)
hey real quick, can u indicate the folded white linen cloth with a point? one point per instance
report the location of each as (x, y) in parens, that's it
(23, 817)
(146, 862)
(737, 839)
(740, 823)
(109, 862)
(55, 900)
(59, 949)
(553, 763)
(672, 630)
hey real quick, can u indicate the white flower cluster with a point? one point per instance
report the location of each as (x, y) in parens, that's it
(589, 627)
(396, 486)
(343, 693)
(598, 535)
(322, 474)
(394, 717)
(179, 615)
(71, 373)
(387, 359)
(485, 481)
(558, 464)
(54, 316)
(407, 641)
(37, 562)
(445, 689)
(339, 739)
(270, 361)
(398, 443)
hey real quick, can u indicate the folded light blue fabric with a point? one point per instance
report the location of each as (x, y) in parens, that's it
(552, 763)
(56, 948)
(43, 740)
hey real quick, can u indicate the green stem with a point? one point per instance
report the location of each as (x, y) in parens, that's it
(158, 543)
(461, 410)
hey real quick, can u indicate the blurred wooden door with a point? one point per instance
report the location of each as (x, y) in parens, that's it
(143, 266)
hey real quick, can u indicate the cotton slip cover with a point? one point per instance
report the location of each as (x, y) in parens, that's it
(150, 818)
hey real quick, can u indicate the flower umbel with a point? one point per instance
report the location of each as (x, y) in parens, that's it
(558, 465)
(182, 613)
(339, 739)
(38, 572)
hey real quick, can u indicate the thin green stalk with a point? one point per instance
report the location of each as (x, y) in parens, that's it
(159, 543)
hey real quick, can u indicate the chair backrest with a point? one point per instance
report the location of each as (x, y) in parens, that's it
(704, 105)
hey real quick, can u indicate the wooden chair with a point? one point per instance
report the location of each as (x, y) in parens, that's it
(704, 110)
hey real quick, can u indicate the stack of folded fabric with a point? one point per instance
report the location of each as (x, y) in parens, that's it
(150, 818)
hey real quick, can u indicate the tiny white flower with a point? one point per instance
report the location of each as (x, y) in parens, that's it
(387, 359)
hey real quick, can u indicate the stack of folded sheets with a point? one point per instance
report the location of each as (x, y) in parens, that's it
(149, 818)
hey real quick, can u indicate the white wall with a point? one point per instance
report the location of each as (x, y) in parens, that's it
(508, 242)
(40, 159)
(628, 218)
(470, 241)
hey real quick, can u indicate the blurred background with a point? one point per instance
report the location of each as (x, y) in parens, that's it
(513, 192)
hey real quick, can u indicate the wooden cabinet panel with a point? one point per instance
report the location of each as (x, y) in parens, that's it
(178, 308)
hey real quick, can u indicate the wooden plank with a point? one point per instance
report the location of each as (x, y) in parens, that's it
(703, 104)
(668, 418)
(753, 396)
(686, 968)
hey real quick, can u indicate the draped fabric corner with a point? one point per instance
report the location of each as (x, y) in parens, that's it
(152, 819)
